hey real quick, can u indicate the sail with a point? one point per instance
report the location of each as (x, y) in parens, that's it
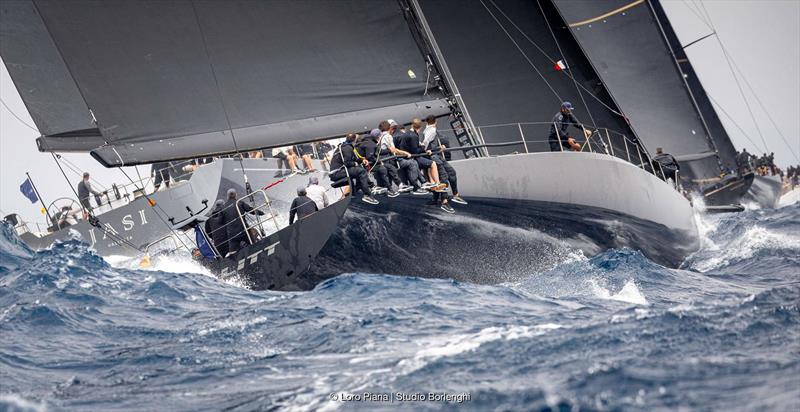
(41, 77)
(625, 43)
(503, 56)
(723, 143)
(178, 79)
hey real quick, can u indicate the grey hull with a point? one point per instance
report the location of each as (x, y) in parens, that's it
(765, 191)
(142, 225)
(526, 213)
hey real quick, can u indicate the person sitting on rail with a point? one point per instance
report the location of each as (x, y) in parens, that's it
(236, 232)
(409, 168)
(559, 137)
(297, 151)
(345, 166)
(367, 148)
(388, 148)
(302, 206)
(437, 147)
(668, 164)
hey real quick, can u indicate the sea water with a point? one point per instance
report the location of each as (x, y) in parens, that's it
(611, 332)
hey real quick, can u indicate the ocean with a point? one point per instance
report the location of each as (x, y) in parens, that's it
(611, 332)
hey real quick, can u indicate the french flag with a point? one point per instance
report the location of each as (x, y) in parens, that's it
(561, 65)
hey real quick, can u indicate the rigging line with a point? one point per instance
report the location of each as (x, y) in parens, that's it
(219, 93)
(75, 170)
(611, 109)
(96, 222)
(761, 104)
(735, 78)
(561, 53)
(153, 203)
(520, 50)
(696, 12)
(18, 118)
(699, 40)
(722, 109)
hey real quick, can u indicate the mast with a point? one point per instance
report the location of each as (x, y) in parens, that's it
(477, 139)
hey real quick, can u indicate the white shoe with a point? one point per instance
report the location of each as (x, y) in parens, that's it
(403, 188)
(379, 190)
(428, 185)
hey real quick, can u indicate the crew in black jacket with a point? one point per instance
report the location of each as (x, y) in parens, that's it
(237, 236)
(344, 163)
(302, 206)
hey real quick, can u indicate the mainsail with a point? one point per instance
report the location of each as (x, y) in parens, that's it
(503, 55)
(185, 78)
(42, 79)
(625, 43)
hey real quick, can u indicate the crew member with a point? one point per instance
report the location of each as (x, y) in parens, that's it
(668, 163)
(161, 172)
(302, 206)
(344, 163)
(215, 230)
(317, 193)
(84, 191)
(369, 149)
(560, 138)
(237, 236)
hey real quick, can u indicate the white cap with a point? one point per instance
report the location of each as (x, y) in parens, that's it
(392, 122)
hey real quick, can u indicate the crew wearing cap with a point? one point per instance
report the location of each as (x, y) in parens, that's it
(317, 193)
(236, 234)
(559, 138)
(302, 206)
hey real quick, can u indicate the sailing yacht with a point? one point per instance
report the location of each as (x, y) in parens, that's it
(137, 83)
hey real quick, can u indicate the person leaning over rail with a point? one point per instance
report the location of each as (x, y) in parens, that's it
(668, 164)
(559, 137)
(345, 166)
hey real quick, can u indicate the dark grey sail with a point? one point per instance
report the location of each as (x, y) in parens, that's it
(41, 77)
(724, 146)
(502, 56)
(193, 76)
(624, 42)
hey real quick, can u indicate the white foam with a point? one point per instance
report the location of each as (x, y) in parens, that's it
(14, 402)
(451, 345)
(747, 245)
(629, 293)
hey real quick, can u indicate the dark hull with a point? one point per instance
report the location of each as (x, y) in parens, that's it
(280, 261)
(730, 192)
(488, 241)
(765, 191)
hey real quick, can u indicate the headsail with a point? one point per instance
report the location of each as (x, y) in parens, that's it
(41, 77)
(178, 79)
(624, 41)
(725, 148)
(505, 55)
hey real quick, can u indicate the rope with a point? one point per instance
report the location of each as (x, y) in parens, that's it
(520, 48)
(719, 106)
(611, 109)
(221, 100)
(18, 118)
(560, 52)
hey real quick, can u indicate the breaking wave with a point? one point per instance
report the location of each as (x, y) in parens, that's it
(554, 329)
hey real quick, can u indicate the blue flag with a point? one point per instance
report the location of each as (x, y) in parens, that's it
(27, 189)
(202, 243)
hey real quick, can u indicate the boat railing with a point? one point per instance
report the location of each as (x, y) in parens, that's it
(600, 140)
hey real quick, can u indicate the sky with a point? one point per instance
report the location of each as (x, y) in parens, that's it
(760, 36)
